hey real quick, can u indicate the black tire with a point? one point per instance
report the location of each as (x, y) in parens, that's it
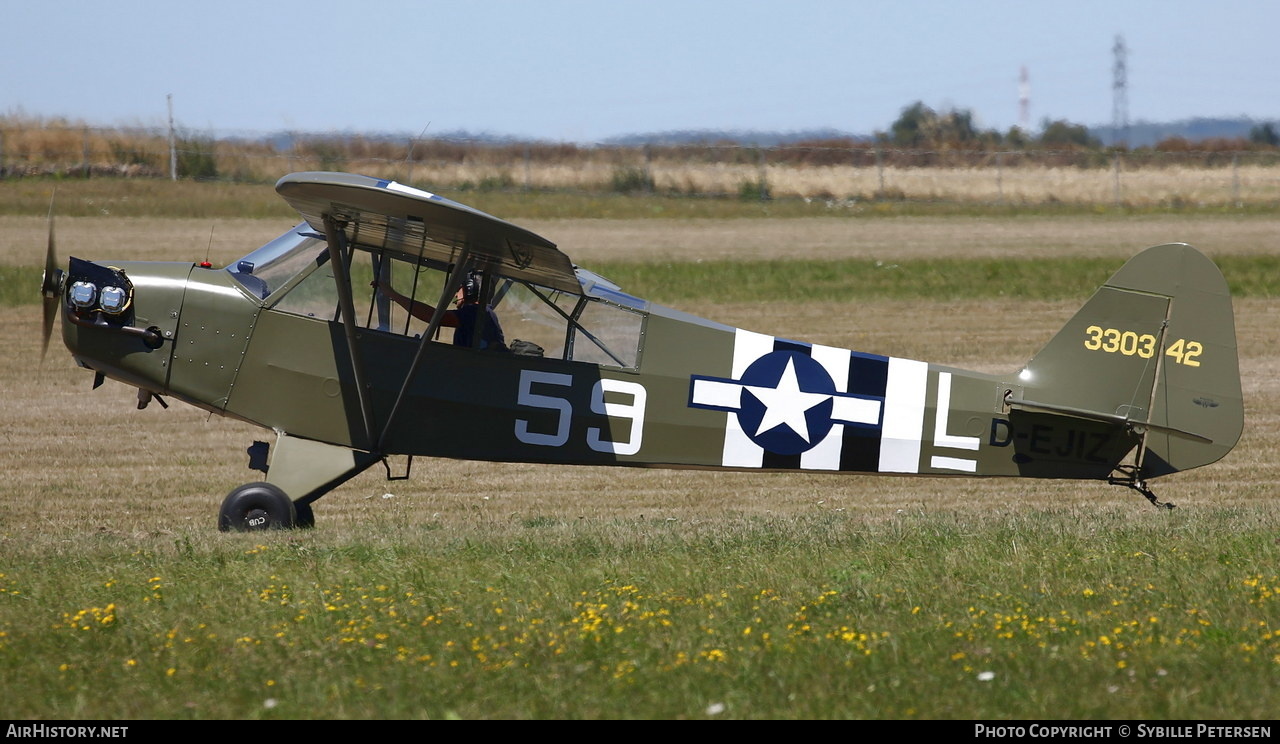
(305, 518)
(254, 507)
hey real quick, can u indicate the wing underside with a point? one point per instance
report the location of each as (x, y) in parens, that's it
(419, 226)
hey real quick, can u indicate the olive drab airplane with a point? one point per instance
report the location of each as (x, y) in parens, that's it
(329, 337)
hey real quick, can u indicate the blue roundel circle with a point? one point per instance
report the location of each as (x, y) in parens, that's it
(786, 402)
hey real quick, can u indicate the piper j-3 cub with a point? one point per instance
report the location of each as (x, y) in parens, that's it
(328, 336)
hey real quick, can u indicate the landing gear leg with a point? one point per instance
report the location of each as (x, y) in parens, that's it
(305, 468)
(306, 517)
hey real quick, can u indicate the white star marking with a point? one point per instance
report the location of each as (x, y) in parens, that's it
(786, 404)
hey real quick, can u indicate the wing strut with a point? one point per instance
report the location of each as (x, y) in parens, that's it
(450, 287)
(336, 237)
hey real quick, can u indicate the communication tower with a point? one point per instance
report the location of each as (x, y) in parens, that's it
(1024, 100)
(1119, 95)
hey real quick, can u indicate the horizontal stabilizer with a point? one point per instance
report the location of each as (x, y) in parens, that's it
(1021, 404)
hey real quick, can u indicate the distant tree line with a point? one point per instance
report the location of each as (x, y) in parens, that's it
(920, 137)
(921, 127)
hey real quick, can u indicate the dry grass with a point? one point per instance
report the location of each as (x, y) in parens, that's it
(838, 171)
(1023, 185)
(22, 239)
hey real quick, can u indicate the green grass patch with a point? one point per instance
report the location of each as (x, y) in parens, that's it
(20, 285)
(138, 197)
(1036, 614)
(842, 280)
(938, 279)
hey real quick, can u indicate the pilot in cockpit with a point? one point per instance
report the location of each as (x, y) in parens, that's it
(466, 318)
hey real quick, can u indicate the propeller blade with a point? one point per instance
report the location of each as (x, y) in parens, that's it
(49, 286)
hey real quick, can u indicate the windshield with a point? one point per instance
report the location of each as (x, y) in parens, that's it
(597, 286)
(274, 264)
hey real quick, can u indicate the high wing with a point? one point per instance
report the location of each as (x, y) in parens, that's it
(416, 224)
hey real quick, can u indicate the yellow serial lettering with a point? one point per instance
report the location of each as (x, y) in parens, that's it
(1132, 343)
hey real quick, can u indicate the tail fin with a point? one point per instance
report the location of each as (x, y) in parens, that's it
(1154, 349)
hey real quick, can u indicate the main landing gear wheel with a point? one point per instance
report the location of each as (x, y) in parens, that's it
(257, 506)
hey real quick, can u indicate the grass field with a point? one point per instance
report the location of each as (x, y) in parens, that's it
(486, 591)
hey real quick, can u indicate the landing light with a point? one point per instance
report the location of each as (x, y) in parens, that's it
(83, 294)
(114, 300)
(1024, 375)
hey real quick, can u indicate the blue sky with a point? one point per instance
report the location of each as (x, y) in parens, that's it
(583, 71)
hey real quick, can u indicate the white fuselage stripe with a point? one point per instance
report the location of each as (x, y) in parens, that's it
(904, 404)
(825, 455)
(739, 450)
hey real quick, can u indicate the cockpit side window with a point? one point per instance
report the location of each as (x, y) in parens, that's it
(375, 308)
(570, 326)
(533, 319)
(316, 295)
(535, 315)
(608, 334)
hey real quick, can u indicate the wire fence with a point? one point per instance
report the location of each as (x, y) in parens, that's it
(838, 172)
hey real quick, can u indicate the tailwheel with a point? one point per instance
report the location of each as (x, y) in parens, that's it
(1132, 481)
(257, 506)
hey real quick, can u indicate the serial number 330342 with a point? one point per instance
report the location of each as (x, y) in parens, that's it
(1131, 343)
